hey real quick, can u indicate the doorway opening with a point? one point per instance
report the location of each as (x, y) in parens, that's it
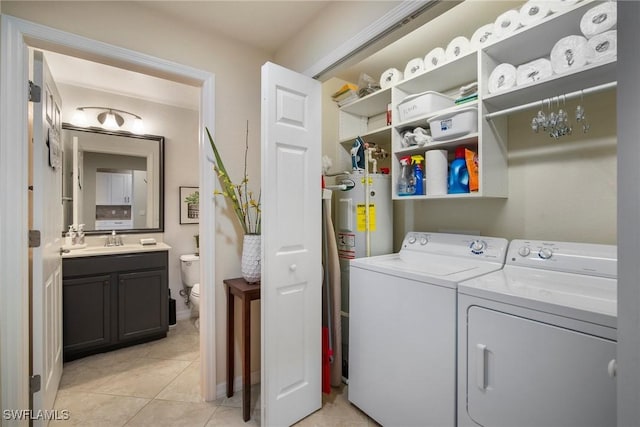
(17, 36)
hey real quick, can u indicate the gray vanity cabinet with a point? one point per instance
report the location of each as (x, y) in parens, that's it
(113, 301)
(141, 294)
(86, 313)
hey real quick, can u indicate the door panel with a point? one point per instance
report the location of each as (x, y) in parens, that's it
(291, 251)
(142, 304)
(47, 217)
(526, 373)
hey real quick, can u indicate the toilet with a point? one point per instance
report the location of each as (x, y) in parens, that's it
(190, 273)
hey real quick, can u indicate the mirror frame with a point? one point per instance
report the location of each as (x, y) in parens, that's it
(160, 140)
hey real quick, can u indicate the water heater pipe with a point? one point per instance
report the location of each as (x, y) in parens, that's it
(367, 235)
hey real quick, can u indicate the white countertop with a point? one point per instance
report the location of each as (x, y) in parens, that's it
(115, 250)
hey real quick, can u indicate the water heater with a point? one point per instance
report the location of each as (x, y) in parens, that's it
(351, 232)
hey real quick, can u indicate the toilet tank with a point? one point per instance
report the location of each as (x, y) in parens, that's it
(190, 269)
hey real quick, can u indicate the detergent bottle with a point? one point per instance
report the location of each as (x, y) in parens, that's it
(406, 186)
(418, 175)
(458, 174)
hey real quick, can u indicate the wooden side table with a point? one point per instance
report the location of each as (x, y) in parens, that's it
(246, 292)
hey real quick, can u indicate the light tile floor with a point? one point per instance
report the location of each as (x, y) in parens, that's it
(158, 384)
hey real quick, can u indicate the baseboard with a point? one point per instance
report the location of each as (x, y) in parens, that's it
(221, 388)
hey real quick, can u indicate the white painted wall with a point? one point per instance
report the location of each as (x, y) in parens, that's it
(237, 73)
(338, 22)
(562, 189)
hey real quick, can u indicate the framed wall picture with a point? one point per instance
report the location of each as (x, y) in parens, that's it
(189, 205)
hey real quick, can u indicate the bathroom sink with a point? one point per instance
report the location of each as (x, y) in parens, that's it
(109, 250)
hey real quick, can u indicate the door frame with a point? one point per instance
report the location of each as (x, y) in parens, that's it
(16, 35)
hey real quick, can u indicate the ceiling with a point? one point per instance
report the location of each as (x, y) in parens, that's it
(279, 21)
(264, 24)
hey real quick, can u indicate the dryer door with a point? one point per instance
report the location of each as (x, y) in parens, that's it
(522, 372)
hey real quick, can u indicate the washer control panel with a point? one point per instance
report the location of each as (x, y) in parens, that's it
(583, 258)
(461, 245)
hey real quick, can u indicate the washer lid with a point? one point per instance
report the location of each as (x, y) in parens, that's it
(589, 298)
(428, 268)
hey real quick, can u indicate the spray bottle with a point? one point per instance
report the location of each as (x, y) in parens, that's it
(406, 186)
(418, 175)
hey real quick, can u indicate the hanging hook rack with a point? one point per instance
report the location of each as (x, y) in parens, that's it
(568, 96)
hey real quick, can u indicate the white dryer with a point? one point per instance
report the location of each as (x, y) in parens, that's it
(402, 361)
(537, 339)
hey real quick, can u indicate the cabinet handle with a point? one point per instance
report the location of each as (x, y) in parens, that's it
(612, 368)
(481, 366)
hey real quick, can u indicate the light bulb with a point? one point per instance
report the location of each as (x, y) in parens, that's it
(138, 126)
(110, 121)
(79, 118)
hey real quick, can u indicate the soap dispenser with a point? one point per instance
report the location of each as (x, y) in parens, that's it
(69, 236)
(81, 234)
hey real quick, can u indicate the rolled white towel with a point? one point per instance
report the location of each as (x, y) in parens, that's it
(533, 71)
(560, 5)
(603, 47)
(390, 77)
(414, 66)
(457, 47)
(434, 58)
(502, 77)
(482, 36)
(599, 19)
(533, 12)
(506, 24)
(569, 53)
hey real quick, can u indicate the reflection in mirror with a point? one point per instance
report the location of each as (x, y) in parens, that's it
(112, 180)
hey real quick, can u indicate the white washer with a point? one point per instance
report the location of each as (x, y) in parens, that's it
(537, 339)
(402, 361)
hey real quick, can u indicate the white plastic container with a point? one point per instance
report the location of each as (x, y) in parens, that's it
(422, 104)
(454, 124)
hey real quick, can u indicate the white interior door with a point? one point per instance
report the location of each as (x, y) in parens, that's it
(47, 217)
(291, 246)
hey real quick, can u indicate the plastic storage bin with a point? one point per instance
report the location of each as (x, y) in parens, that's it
(454, 124)
(422, 104)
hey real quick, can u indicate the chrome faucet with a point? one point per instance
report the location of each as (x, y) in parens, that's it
(114, 240)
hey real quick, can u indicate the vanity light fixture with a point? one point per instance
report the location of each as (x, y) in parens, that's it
(109, 118)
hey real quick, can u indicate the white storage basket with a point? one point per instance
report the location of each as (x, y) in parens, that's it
(454, 124)
(422, 104)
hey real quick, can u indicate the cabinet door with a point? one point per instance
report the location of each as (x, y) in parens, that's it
(525, 373)
(142, 304)
(86, 310)
(103, 188)
(120, 189)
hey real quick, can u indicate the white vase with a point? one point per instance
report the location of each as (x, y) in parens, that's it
(250, 266)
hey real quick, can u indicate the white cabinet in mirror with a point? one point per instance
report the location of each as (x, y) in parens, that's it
(112, 180)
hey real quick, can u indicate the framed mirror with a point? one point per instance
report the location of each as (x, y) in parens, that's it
(112, 181)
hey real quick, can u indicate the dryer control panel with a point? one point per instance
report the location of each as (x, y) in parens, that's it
(582, 258)
(459, 245)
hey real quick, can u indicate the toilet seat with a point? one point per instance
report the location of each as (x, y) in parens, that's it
(195, 290)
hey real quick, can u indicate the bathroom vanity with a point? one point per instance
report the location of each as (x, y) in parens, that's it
(113, 297)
